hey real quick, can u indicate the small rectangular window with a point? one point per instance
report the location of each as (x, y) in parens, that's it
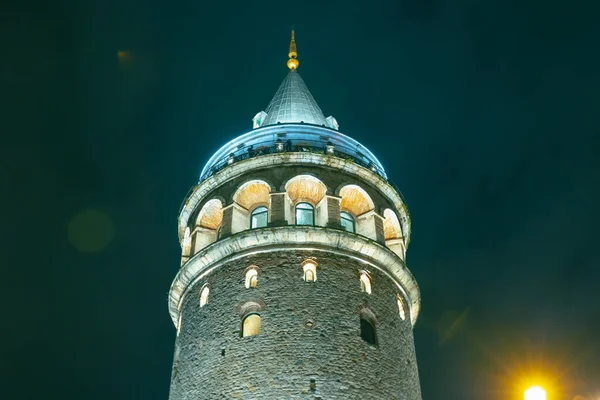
(367, 332)
(259, 218)
(347, 221)
(305, 214)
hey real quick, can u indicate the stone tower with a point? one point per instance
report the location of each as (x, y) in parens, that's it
(293, 282)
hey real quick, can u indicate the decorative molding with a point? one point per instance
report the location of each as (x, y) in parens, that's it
(274, 160)
(272, 239)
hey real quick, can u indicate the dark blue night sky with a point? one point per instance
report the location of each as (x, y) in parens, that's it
(484, 113)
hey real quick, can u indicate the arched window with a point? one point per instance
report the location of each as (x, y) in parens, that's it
(258, 218)
(251, 278)
(367, 330)
(305, 214)
(401, 307)
(204, 296)
(310, 271)
(251, 325)
(347, 221)
(365, 282)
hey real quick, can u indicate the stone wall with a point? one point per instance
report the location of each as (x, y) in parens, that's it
(212, 361)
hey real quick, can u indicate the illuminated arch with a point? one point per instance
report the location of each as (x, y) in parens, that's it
(305, 188)
(251, 325)
(309, 268)
(204, 295)
(355, 200)
(253, 193)
(251, 276)
(250, 313)
(211, 215)
(391, 225)
(365, 282)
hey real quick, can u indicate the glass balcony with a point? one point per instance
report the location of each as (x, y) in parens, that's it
(291, 138)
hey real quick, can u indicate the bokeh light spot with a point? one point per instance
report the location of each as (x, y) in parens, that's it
(125, 57)
(90, 231)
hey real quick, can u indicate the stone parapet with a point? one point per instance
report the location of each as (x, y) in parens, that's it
(317, 239)
(289, 159)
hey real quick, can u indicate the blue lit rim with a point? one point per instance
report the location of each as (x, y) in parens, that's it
(299, 134)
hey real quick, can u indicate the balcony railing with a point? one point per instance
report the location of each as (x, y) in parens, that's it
(298, 146)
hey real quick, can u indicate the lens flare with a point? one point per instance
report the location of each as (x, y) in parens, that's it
(535, 393)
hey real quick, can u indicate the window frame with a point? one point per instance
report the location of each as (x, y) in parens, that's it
(251, 277)
(312, 209)
(365, 282)
(368, 324)
(255, 212)
(309, 267)
(349, 218)
(248, 315)
(203, 297)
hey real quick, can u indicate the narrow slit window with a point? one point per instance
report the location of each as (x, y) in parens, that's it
(401, 307)
(259, 217)
(251, 278)
(367, 331)
(310, 272)
(347, 222)
(365, 283)
(305, 214)
(204, 296)
(251, 325)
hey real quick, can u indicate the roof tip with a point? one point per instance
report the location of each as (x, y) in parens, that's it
(293, 54)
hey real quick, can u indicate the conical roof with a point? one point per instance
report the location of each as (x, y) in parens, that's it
(293, 103)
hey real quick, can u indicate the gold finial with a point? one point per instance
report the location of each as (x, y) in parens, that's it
(293, 55)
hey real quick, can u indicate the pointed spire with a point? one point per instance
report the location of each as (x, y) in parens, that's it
(293, 55)
(293, 103)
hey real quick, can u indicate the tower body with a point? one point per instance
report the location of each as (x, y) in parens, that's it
(293, 282)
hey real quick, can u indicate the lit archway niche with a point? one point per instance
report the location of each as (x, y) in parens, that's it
(211, 215)
(355, 200)
(253, 193)
(392, 232)
(365, 283)
(204, 296)
(391, 225)
(309, 267)
(305, 188)
(251, 278)
(251, 325)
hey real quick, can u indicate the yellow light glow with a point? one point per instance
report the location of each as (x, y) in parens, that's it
(535, 393)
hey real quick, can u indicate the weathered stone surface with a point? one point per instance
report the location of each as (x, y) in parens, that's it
(275, 239)
(277, 210)
(212, 361)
